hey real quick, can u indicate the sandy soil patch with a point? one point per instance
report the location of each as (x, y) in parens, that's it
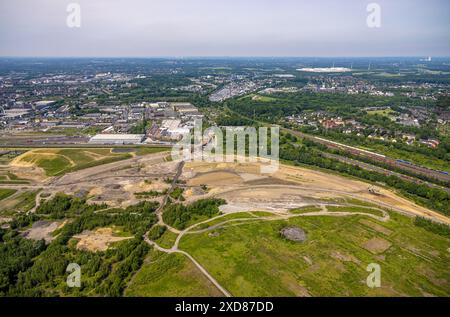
(194, 192)
(141, 186)
(95, 191)
(28, 172)
(219, 178)
(376, 245)
(241, 177)
(158, 168)
(98, 240)
(248, 177)
(318, 179)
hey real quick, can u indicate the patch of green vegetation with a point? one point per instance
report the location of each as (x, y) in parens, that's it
(144, 150)
(15, 182)
(415, 157)
(6, 192)
(167, 240)
(261, 213)
(382, 112)
(305, 209)
(60, 161)
(354, 201)
(156, 232)
(17, 254)
(104, 273)
(177, 193)
(148, 194)
(52, 165)
(107, 160)
(355, 209)
(62, 206)
(25, 201)
(180, 216)
(12, 176)
(438, 228)
(237, 215)
(252, 260)
(170, 275)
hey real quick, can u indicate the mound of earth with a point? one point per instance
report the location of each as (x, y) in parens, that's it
(294, 234)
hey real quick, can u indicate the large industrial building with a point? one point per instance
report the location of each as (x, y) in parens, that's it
(117, 139)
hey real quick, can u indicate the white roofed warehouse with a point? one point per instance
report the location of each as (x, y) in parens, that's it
(117, 139)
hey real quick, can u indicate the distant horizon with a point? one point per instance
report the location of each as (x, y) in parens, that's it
(232, 28)
(219, 56)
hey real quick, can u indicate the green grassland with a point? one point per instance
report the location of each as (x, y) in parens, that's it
(60, 161)
(167, 240)
(383, 112)
(253, 260)
(23, 202)
(6, 192)
(232, 216)
(56, 161)
(305, 209)
(170, 275)
(355, 209)
(144, 150)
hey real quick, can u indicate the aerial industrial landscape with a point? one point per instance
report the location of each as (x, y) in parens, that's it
(88, 177)
(138, 174)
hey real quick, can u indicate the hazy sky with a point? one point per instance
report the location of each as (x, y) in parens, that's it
(224, 28)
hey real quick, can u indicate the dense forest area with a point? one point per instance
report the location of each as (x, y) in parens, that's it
(179, 215)
(31, 268)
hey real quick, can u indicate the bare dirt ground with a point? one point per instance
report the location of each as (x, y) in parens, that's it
(43, 230)
(241, 184)
(376, 245)
(98, 240)
(113, 183)
(33, 173)
(245, 188)
(155, 184)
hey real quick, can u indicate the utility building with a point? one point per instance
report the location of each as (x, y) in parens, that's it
(117, 139)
